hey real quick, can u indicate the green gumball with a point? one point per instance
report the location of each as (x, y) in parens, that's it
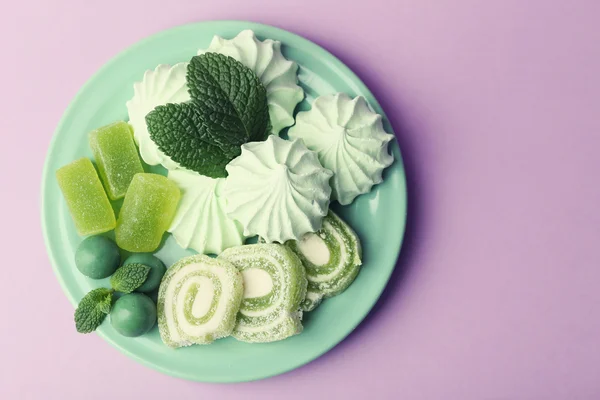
(97, 257)
(157, 270)
(133, 314)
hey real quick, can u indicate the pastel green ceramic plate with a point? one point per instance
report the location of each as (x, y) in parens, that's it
(379, 217)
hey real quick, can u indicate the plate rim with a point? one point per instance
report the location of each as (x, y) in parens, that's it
(321, 53)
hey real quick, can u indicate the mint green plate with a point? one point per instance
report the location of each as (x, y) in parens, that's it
(378, 217)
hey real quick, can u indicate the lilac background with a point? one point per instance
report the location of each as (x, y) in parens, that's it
(497, 109)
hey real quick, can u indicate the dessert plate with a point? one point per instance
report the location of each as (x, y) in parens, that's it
(378, 217)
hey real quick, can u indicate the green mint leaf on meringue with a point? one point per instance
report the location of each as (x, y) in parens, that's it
(129, 277)
(228, 108)
(92, 310)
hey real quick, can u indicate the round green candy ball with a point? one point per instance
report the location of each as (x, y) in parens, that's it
(157, 270)
(97, 257)
(133, 314)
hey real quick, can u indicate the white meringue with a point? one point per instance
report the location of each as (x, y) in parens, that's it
(350, 141)
(277, 74)
(164, 84)
(200, 222)
(277, 189)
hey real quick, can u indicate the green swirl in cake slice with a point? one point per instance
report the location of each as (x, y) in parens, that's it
(198, 301)
(274, 287)
(331, 257)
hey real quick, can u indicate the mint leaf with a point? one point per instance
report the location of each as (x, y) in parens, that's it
(216, 80)
(129, 277)
(92, 310)
(228, 108)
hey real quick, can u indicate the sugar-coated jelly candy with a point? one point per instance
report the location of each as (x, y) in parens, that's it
(147, 212)
(116, 157)
(90, 209)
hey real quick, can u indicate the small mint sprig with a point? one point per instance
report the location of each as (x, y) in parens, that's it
(129, 277)
(95, 306)
(92, 310)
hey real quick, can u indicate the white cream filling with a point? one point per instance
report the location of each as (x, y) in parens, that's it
(204, 296)
(314, 249)
(314, 296)
(343, 256)
(257, 282)
(277, 295)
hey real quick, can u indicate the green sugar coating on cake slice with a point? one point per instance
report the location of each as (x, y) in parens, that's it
(332, 258)
(147, 212)
(312, 300)
(198, 301)
(274, 287)
(87, 202)
(116, 157)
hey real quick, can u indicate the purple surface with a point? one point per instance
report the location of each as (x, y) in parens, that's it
(497, 110)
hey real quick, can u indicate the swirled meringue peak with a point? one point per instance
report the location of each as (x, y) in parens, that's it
(277, 74)
(350, 141)
(277, 189)
(164, 84)
(200, 222)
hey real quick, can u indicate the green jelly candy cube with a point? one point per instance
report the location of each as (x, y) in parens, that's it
(116, 156)
(147, 212)
(86, 198)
